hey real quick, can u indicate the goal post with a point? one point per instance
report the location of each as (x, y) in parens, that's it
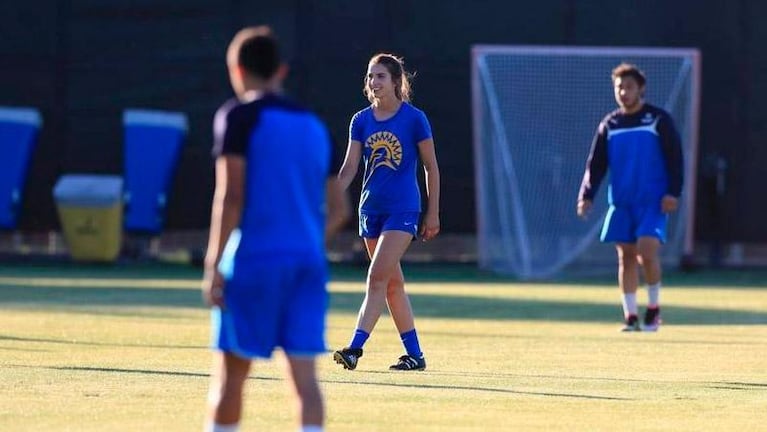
(535, 111)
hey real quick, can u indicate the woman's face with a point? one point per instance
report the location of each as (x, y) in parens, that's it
(379, 82)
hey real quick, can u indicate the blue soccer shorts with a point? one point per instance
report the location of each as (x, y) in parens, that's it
(372, 225)
(627, 224)
(273, 302)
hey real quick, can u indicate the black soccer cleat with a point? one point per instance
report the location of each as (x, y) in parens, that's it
(632, 324)
(348, 357)
(652, 319)
(408, 363)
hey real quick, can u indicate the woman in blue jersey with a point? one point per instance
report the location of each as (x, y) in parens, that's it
(391, 136)
(640, 147)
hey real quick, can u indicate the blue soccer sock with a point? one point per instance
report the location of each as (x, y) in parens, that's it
(359, 339)
(410, 341)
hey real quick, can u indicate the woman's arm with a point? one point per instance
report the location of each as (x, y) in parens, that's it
(430, 226)
(351, 164)
(338, 207)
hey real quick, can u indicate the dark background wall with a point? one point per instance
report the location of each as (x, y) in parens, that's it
(82, 61)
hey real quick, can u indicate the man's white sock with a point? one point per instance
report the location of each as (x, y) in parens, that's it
(629, 304)
(653, 294)
(215, 427)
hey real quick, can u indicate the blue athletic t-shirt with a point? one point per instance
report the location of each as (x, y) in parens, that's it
(390, 155)
(642, 152)
(289, 157)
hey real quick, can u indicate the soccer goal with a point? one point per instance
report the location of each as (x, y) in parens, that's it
(535, 111)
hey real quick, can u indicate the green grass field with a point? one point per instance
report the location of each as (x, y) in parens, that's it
(125, 349)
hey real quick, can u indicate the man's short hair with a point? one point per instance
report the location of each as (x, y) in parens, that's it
(631, 70)
(255, 50)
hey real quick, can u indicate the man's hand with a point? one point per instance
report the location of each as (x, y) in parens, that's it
(213, 288)
(584, 207)
(669, 204)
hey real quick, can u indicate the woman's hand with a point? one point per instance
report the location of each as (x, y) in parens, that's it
(430, 226)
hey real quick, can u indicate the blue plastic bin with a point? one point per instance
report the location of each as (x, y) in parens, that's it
(153, 142)
(19, 129)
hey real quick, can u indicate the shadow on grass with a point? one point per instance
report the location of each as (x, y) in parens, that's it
(358, 383)
(126, 371)
(355, 272)
(468, 307)
(716, 384)
(92, 297)
(91, 343)
(470, 273)
(99, 300)
(740, 386)
(133, 270)
(483, 389)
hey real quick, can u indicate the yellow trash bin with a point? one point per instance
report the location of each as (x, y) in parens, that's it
(90, 211)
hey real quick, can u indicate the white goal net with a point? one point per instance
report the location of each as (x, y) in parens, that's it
(535, 112)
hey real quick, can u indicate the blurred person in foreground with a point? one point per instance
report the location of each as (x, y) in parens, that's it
(276, 201)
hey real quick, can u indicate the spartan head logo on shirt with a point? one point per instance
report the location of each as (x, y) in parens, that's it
(385, 151)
